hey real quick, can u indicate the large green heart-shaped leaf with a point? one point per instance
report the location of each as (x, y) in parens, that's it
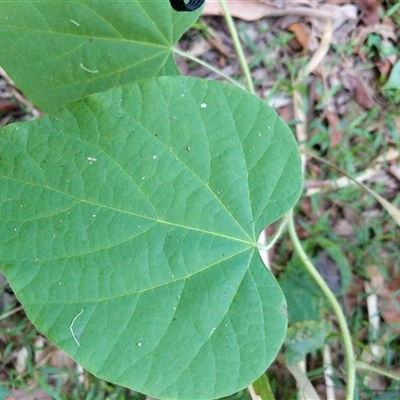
(129, 223)
(60, 51)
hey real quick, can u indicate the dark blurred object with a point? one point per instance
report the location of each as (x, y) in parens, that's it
(329, 271)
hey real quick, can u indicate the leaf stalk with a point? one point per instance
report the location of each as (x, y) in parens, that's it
(208, 66)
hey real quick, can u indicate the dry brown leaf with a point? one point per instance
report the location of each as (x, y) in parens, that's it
(343, 228)
(344, 24)
(252, 10)
(52, 356)
(389, 295)
(307, 209)
(9, 106)
(301, 35)
(248, 10)
(385, 66)
(333, 122)
(369, 11)
(286, 112)
(395, 171)
(359, 90)
(38, 394)
(216, 42)
(199, 47)
(338, 1)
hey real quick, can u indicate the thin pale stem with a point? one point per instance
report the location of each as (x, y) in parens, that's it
(363, 365)
(238, 46)
(348, 346)
(7, 314)
(207, 65)
(276, 237)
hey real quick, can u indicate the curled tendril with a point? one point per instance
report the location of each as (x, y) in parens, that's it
(180, 5)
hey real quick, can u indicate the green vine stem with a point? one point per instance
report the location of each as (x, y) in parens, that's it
(207, 65)
(238, 46)
(348, 346)
(363, 365)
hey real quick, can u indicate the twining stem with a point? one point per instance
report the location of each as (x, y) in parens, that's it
(207, 65)
(348, 346)
(238, 46)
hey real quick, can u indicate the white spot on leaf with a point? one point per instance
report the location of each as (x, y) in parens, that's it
(91, 71)
(72, 324)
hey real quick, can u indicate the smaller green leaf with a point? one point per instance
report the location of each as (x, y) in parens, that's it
(303, 296)
(305, 337)
(393, 82)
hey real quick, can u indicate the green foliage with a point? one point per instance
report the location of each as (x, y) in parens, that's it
(129, 229)
(61, 51)
(392, 86)
(305, 337)
(305, 300)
